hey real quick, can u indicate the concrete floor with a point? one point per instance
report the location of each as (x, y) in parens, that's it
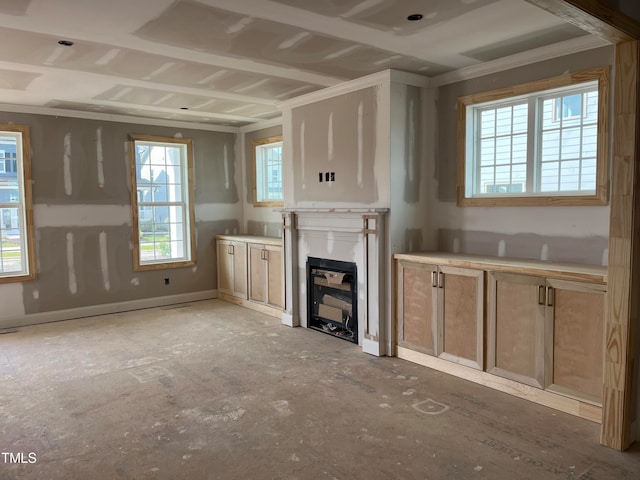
(210, 390)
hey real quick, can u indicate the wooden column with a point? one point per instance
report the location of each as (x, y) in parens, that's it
(624, 255)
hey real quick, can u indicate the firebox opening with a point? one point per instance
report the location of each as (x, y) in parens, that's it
(332, 298)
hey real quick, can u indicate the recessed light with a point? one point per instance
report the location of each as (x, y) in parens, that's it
(184, 108)
(65, 43)
(414, 17)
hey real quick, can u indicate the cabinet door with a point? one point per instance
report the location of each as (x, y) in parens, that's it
(461, 315)
(416, 309)
(516, 321)
(275, 286)
(257, 273)
(225, 267)
(240, 269)
(575, 320)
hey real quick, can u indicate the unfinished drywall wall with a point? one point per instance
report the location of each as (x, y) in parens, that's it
(522, 232)
(82, 215)
(337, 135)
(264, 221)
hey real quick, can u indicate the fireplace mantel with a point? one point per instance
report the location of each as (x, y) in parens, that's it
(346, 234)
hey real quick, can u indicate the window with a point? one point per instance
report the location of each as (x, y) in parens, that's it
(17, 252)
(267, 155)
(162, 199)
(541, 143)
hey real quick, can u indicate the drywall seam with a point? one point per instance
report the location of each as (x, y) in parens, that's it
(99, 157)
(104, 260)
(66, 160)
(211, 212)
(226, 167)
(360, 130)
(261, 125)
(303, 157)
(81, 215)
(73, 284)
(330, 138)
(104, 309)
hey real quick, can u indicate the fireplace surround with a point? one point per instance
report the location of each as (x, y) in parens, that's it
(356, 235)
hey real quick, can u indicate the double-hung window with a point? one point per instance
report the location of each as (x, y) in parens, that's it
(542, 143)
(267, 154)
(162, 202)
(17, 250)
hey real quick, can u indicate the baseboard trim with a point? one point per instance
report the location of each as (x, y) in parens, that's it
(543, 397)
(104, 309)
(258, 307)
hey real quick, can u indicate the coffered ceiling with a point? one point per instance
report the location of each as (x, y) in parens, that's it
(229, 62)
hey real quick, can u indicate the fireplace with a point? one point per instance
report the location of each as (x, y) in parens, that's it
(332, 298)
(350, 236)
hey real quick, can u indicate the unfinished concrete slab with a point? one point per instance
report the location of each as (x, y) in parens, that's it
(209, 390)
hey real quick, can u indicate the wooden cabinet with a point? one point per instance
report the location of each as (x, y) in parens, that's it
(250, 272)
(575, 332)
(440, 311)
(546, 333)
(265, 274)
(232, 268)
(544, 325)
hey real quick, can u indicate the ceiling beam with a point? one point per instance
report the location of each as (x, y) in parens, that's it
(594, 16)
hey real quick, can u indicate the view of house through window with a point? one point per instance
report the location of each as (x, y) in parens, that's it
(542, 143)
(268, 171)
(16, 236)
(162, 202)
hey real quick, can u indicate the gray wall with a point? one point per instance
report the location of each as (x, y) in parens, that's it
(72, 214)
(578, 234)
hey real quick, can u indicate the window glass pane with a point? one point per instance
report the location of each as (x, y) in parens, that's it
(550, 148)
(549, 177)
(503, 150)
(487, 151)
(570, 144)
(520, 118)
(487, 123)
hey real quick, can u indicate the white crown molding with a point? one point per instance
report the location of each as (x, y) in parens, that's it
(59, 112)
(568, 47)
(385, 76)
(272, 122)
(104, 309)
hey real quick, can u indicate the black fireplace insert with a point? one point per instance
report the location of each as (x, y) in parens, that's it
(332, 302)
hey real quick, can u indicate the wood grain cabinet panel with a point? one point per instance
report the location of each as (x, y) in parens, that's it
(461, 315)
(575, 319)
(516, 319)
(232, 268)
(417, 307)
(265, 268)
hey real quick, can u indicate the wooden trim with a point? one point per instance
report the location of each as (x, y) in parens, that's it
(600, 197)
(27, 185)
(594, 16)
(137, 266)
(621, 314)
(566, 271)
(558, 402)
(254, 145)
(258, 307)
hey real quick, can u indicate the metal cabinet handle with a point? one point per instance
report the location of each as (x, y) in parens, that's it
(230, 250)
(434, 279)
(541, 295)
(264, 254)
(441, 279)
(550, 299)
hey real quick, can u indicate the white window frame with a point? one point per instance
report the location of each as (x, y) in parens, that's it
(470, 189)
(260, 175)
(23, 202)
(180, 236)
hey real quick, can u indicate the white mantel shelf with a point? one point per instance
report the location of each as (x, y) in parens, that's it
(358, 211)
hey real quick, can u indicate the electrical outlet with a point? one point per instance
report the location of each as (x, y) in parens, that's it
(166, 280)
(320, 177)
(333, 176)
(326, 176)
